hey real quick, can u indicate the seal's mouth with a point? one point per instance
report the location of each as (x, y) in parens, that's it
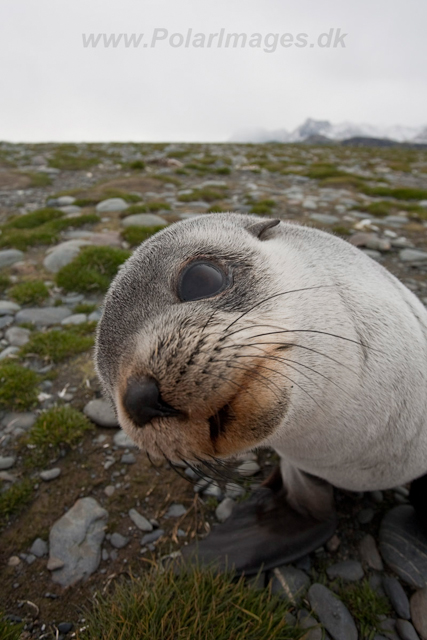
(218, 422)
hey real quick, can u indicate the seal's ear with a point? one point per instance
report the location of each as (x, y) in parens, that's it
(259, 228)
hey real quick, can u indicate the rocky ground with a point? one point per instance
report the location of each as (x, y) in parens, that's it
(79, 505)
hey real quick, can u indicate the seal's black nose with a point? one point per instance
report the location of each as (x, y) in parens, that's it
(143, 402)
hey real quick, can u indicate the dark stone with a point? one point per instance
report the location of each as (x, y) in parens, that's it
(290, 583)
(65, 627)
(406, 631)
(349, 570)
(333, 614)
(397, 596)
(152, 537)
(403, 546)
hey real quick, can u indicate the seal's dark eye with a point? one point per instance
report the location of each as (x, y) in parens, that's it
(201, 280)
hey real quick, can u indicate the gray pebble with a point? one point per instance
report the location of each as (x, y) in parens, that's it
(213, 490)
(75, 318)
(234, 490)
(406, 631)
(39, 548)
(175, 511)
(290, 583)
(122, 440)
(152, 537)
(306, 621)
(8, 308)
(111, 204)
(43, 317)
(50, 474)
(9, 351)
(349, 570)
(17, 336)
(333, 614)
(144, 220)
(118, 541)
(128, 458)
(419, 612)
(370, 554)
(6, 462)
(248, 468)
(224, 509)
(9, 257)
(6, 321)
(366, 516)
(140, 521)
(101, 412)
(397, 596)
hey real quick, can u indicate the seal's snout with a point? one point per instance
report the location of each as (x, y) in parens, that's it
(143, 402)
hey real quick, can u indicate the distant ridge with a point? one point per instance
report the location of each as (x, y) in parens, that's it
(318, 131)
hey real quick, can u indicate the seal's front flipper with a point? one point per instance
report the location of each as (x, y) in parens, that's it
(263, 532)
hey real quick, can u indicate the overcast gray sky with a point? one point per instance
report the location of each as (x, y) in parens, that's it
(54, 88)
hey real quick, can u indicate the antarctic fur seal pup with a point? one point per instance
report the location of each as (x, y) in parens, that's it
(228, 332)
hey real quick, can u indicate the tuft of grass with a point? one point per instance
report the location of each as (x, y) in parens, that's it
(32, 292)
(365, 605)
(166, 178)
(92, 270)
(149, 207)
(223, 171)
(137, 165)
(86, 202)
(39, 180)
(84, 307)
(56, 345)
(399, 193)
(33, 219)
(54, 429)
(42, 229)
(135, 235)
(11, 501)
(68, 161)
(321, 171)
(18, 386)
(208, 194)
(4, 282)
(263, 207)
(341, 230)
(193, 604)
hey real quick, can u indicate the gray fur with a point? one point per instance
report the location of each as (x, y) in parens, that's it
(349, 409)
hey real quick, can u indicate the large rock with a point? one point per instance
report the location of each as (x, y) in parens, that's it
(101, 412)
(290, 583)
(75, 542)
(403, 546)
(144, 220)
(419, 612)
(7, 307)
(413, 255)
(112, 204)
(9, 257)
(43, 316)
(63, 254)
(333, 613)
(17, 336)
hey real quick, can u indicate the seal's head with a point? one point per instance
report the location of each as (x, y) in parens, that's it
(177, 346)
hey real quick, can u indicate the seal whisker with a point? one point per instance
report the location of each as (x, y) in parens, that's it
(250, 370)
(276, 295)
(333, 335)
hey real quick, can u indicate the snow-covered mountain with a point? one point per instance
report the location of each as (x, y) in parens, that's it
(326, 129)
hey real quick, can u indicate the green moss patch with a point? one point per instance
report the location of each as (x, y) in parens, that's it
(208, 194)
(32, 292)
(400, 193)
(135, 235)
(33, 219)
(149, 207)
(39, 180)
(137, 165)
(365, 605)
(55, 345)
(11, 501)
(18, 387)
(4, 282)
(84, 307)
(68, 161)
(92, 270)
(124, 195)
(58, 427)
(263, 207)
(193, 604)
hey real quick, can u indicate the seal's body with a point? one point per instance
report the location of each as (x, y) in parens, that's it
(224, 333)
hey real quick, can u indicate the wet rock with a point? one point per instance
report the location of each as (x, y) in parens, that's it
(333, 614)
(224, 509)
(419, 612)
(63, 254)
(39, 548)
(17, 336)
(50, 474)
(101, 412)
(118, 541)
(111, 204)
(406, 630)
(43, 316)
(144, 220)
(290, 583)
(370, 554)
(140, 521)
(348, 570)
(403, 546)
(397, 596)
(9, 257)
(75, 542)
